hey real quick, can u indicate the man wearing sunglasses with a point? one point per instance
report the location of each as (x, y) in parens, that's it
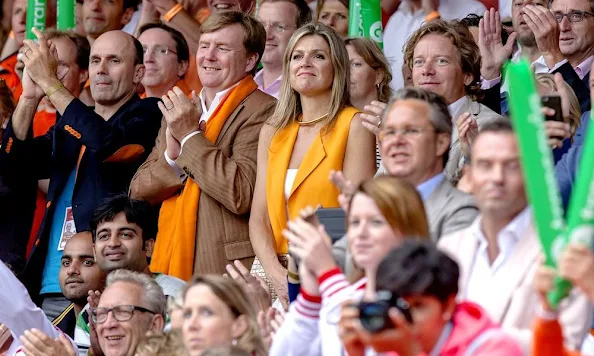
(131, 305)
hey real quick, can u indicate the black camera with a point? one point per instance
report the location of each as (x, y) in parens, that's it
(374, 315)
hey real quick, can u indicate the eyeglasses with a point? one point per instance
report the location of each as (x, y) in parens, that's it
(158, 50)
(120, 313)
(409, 132)
(572, 16)
(277, 27)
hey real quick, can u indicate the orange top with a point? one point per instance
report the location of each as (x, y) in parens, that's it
(8, 73)
(312, 185)
(548, 339)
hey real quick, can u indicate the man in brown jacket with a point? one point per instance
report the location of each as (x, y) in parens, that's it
(206, 188)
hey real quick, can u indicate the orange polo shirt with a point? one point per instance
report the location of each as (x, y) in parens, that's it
(8, 73)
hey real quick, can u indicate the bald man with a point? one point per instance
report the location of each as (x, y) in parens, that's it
(90, 153)
(79, 273)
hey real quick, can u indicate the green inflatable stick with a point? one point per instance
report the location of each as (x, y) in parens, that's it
(365, 20)
(580, 215)
(66, 15)
(35, 17)
(536, 157)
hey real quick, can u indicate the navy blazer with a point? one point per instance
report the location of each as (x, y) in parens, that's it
(114, 149)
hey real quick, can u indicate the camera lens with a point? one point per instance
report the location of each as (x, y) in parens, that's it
(373, 316)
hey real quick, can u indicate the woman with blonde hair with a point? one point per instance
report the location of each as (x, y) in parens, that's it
(312, 132)
(217, 313)
(383, 213)
(546, 86)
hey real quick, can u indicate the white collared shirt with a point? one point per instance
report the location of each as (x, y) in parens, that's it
(404, 22)
(482, 272)
(273, 89)
(206, 114)
(455, 107)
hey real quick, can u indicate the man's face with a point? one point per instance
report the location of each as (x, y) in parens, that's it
(120, 338)
(111, 68)
(118, 244)
(416, 156)
(278, 19)
(576, 39)
(78, 271)
(100, 16)
(19, 20)
(436, 67)
(525, 35)
(162, 69)
(67, 53)
(496, 174)
(222, 59)
(224, 5)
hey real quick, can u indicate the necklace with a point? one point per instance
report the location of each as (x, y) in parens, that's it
(311, 122)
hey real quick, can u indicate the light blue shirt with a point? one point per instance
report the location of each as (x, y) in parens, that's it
(49, 280)
(428, 186)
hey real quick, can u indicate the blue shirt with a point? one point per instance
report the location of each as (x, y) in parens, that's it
(428, 186)
(49, 281)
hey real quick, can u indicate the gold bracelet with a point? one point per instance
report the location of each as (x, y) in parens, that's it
(171, 13)
(432, 16)
(53, 89)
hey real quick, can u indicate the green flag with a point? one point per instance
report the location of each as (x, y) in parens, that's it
(35, 17)
(66, 14)
(365, 20)
(536, 157)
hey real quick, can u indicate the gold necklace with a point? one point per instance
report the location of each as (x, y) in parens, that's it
(311, 122)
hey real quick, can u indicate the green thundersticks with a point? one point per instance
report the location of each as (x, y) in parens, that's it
(66, 14)
(365, 20)
(35, 17)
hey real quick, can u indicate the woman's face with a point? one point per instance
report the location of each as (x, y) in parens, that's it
(208, 321)
(311, 71)
(335, 15)
(370, 236)
(363, 78)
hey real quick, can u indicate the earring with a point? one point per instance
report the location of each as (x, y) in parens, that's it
(377, 86)
(234, 342)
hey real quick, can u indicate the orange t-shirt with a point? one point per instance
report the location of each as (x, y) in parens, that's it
(181, 84)
(8, 73)
(42, 122)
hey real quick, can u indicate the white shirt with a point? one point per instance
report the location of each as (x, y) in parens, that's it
(480, 287)
(206, 114)
(19, 313)
(273, 89)
(404, 22)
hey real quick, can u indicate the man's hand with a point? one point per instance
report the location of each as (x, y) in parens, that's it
(544, 25)
(180, 113)
(493, 53)
(93, 300)
(372, 116)
(556, 131)
(173, 145)
(544, 282)
(41, 61)
(577, 266)
(36, 343)
(31, 91)
(255, 287)
(467, 132)
(162, 6)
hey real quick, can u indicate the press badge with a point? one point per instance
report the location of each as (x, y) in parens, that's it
(68, 229)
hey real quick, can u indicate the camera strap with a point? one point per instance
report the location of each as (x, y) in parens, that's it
(443, 338)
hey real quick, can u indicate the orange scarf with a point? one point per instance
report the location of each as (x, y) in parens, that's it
(176, 240)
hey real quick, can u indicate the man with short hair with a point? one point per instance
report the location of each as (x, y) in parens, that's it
(207, 187)
(124, 232)
(131, 305)
(89, 154)
(166, 59)
(499, 253)
(101, 16)
(281, 18)
(79, 273)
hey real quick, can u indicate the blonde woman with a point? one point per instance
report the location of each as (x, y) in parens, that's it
(217, 313)
(312, 132)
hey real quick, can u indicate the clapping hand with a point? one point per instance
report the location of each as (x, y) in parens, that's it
(544, 25)
(181, 113)
(255, 287)
(36, 343)
(467, 132)
(494, 53)
(345, 187)
(372, 116)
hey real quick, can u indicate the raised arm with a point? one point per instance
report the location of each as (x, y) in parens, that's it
(359, 158)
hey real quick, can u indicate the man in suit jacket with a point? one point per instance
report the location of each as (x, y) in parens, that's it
(220, 162)
(499, 253)
(88, 154)
(415, 138)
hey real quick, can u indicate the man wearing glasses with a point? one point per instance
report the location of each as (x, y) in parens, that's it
(281, 18)
(166, 58)
(131, 305)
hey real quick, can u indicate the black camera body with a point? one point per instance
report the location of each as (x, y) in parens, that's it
(374, 315)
